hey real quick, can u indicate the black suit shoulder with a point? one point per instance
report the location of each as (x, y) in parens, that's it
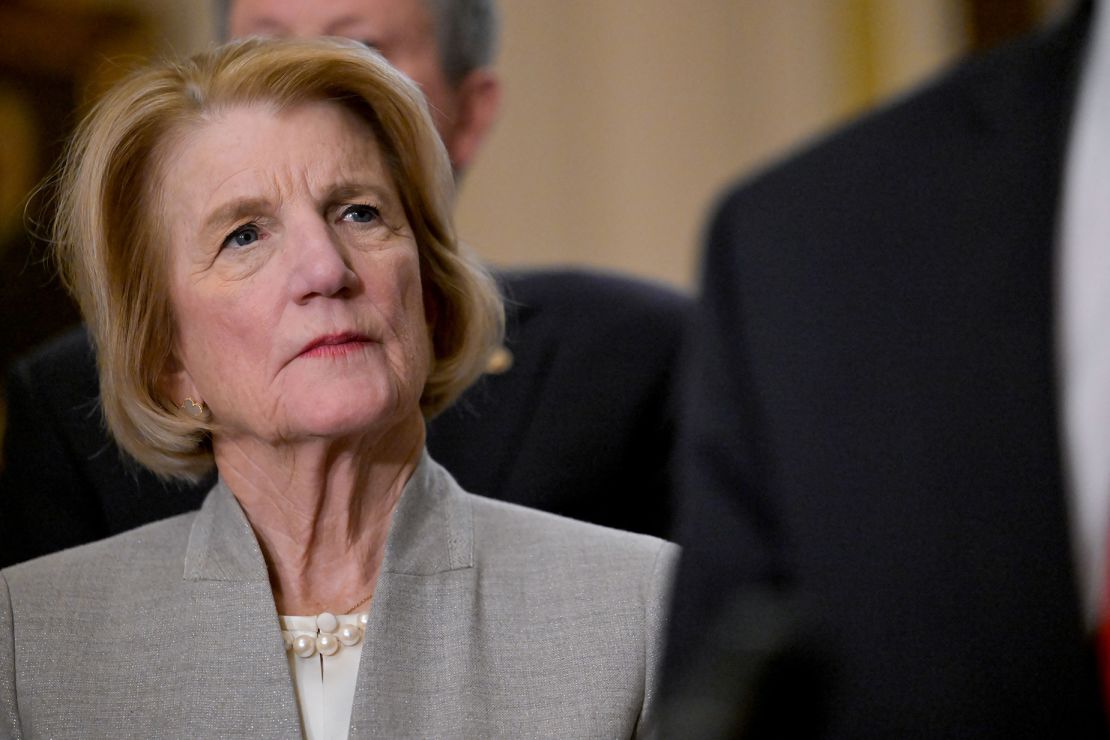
(585, 291)
(906, 262)
(623, 323)
(920, 150)
(582, 423)
(64, 481)
(38, 455)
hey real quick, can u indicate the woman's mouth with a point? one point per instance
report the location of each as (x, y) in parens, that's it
(334, 345)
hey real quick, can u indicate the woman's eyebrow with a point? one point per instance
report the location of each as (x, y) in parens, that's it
(233, 211)
(240, 208)
(351, 189)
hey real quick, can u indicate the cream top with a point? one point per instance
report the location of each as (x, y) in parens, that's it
(324, 652)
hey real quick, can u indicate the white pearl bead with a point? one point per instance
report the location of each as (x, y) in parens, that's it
(364, 618)
(304, 646)
(327, 644)
(327, 622)
(349, 634)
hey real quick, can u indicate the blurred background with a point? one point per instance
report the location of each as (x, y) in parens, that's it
(621, 119)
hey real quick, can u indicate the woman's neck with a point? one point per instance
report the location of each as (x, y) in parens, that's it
(322, 510)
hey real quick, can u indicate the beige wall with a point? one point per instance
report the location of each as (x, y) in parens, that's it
(624, 118)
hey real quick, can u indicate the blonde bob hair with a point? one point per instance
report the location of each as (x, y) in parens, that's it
(108, 215)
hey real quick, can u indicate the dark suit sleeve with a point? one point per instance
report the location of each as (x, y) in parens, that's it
(45, 503)
(583, 423)
(728, 531)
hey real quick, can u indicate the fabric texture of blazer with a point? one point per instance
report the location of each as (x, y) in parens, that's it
(489, 620)
(870, 431)
(581, 424)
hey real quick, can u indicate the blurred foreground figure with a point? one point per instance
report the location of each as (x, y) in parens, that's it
(894, 435)
(574, 415)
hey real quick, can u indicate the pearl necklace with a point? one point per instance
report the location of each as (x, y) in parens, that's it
(330, 636)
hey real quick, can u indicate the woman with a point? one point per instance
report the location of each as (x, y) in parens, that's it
(260, 243)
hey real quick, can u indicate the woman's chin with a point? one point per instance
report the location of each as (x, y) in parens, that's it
(344, 420)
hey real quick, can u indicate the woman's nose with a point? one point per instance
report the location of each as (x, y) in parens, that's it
(320, 263)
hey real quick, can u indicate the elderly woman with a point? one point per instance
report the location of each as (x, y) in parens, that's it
(260, 243)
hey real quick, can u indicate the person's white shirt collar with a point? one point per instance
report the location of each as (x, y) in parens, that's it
(1083, 303)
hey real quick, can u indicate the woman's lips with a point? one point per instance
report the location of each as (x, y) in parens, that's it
(333, 345)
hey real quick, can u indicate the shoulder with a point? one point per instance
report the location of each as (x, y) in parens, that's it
(575, 293)
(531, 541)
(62, 368)
(921, 144)
(115, 570)
(591, 319)
(67, 353)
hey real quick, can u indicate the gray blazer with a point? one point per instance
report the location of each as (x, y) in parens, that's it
(489, 620)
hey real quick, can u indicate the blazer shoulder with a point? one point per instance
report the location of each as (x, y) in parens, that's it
(506, 532)
(117, 568)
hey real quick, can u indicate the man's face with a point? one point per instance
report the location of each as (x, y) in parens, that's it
(402, 30)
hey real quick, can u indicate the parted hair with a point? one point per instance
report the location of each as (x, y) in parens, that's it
(108, 217)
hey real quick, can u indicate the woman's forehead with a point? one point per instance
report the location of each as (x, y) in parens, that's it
(314, 145)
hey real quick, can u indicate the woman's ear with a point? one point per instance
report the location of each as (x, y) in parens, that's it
(176, 383)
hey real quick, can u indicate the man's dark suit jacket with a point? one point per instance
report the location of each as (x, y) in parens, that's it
(581, 424)
(869, 436)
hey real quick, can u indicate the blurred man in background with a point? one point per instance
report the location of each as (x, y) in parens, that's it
(444, 46)
(896, 432)
(574, 415)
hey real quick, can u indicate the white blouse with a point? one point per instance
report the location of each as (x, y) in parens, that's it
(324, 653)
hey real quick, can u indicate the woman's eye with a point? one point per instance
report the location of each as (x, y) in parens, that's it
(244, 236)
(360, 214)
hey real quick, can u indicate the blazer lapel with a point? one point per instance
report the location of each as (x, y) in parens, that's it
(423, 616)
(239, 665)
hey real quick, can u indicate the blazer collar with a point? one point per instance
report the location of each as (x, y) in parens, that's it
(433, 526)
(432, 532)
(222, 545)
(426, 584)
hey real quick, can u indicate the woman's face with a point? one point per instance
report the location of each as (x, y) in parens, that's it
(294, 276)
